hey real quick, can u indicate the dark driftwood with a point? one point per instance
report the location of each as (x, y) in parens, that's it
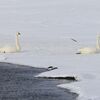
(61, 78)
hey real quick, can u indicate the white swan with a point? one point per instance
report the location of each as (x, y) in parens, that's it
(11, 49)
(89, 50)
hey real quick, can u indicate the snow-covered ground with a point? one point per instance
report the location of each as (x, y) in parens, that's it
(47, 27)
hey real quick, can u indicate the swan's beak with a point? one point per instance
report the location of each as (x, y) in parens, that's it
(19, 33)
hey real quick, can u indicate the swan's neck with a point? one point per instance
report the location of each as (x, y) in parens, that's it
(17, 43)
(98, 44)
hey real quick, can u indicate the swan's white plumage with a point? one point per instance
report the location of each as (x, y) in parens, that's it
(89, 50)
(12, 49)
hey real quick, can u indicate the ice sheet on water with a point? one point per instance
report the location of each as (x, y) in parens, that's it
(46, 27)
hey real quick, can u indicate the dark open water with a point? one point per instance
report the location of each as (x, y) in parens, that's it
(17, 82)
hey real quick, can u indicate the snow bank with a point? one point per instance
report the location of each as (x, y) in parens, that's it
(85, 90)
(86, 69)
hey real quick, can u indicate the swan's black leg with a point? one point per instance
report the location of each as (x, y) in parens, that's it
(78, 53)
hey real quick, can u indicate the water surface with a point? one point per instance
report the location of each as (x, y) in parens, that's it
(17, 82)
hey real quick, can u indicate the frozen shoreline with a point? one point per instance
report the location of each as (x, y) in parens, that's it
(18, 82)
(85, 75)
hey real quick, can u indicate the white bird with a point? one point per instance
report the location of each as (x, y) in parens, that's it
(12, 49)
(90, 50)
